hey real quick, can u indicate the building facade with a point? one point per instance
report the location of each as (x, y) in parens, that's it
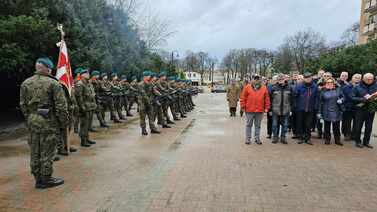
(368, 21)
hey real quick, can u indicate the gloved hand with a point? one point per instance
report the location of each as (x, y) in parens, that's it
(270, 113)
(319, 116)
(340, 101)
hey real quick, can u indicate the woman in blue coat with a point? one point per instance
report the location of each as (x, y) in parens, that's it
(331, 110)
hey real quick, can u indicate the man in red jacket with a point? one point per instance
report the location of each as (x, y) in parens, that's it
(255, 101)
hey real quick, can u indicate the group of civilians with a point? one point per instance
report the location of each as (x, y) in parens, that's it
(307, 103)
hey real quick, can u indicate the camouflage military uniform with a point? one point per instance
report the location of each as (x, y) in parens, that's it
(108, 100)
(133, 95)
(145, 106)
(157, 105)
(125, 95)
(96, 86)
(87, 104)
(116, 91)
(44, 106)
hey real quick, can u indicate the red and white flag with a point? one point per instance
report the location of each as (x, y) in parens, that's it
(64, 72)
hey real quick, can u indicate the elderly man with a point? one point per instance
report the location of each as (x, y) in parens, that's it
(232, 96)
(281, 103)
(343, 79)
(349, 113)
(255, 101)
(363, 94)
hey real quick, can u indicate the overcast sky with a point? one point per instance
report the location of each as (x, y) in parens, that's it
(215, 26)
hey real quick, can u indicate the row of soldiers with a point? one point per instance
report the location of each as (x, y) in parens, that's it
(51, 111)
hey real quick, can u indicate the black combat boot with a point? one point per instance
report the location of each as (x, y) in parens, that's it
(91, 142)
(104, 125)
(37, 181)
(129, 115)
(170, 122)
(63, 152)
(92, 130)
(155, 131)
(166, 126)
(84, 143)
(49, 182)
(71, 149)
(56, 158)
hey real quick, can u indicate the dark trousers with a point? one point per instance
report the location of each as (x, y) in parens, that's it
(348, 117)
(293, 126)
(304, 121)
(335, 129)
(362, 117)
(269, 125)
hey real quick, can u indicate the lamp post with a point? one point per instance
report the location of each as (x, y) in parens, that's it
(173, 54)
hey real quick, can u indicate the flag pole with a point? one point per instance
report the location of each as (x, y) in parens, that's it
(66, 130)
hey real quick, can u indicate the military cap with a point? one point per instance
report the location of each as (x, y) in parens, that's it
(134, 78)
(95, 74)
(123, 77)
(84, 70)
(307, 75)
(46, 62)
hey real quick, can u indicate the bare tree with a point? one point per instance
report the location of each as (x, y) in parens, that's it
(304, 46)
(350, 35)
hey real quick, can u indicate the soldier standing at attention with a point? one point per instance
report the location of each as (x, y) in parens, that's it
(44, 106)
(108, 99)
(96, 89)
(116, 91)
(145, 104)
(164, 86)
(133, 96)
(87, 104)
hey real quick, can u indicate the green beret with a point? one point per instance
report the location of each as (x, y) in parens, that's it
(134, 78)
(123, 77)
(162, 74)
(95, 74)
(78, 70)
(104, 75)
(147, 73)
(46, 62)
(84, 71)
(114, 75)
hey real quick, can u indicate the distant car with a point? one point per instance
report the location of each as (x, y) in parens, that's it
(218, 89)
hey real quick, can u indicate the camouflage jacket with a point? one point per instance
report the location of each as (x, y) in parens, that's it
(116, 88)
(85, 96)
(43, 103)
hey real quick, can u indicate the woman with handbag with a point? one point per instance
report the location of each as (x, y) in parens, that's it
(331, 110)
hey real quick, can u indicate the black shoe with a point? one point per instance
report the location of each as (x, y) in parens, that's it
(258, 142)
(359, 145)
(300, 142)
(92, 130)
(295, 137)
(91, 142)
(309, 143)
(183, 116)
(105, 126)
(144, 132)
(155, 132)
(116, 121)
(248, 143)
(63, 152)
(129, 115)
(177, 119)
(85, 144)
(56, 158)
(283, 141)
(368, 146)
(170, 122)
(275, 140)
(122, 118)
(49, 183)
(166, 126)
(71, 149)
(269, 137)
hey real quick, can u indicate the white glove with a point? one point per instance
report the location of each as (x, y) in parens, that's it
(319, 116)
(340, 101)
(270, 113)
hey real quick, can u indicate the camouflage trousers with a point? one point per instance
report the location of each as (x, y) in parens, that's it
(158, 115)
(42, 152)
(146, 111)
(85, 119)
(118, 106)
(62, 139)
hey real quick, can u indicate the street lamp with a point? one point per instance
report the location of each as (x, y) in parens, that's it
(173, 54)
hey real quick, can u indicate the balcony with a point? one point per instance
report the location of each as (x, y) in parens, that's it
(369, 29)
(371, 6)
